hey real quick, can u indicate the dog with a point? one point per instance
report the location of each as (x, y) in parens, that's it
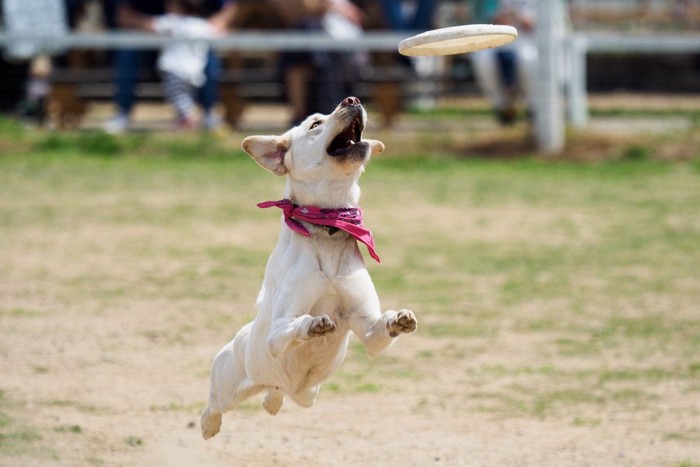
(316, 288)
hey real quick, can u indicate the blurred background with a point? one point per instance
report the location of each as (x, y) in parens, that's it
(98, 64)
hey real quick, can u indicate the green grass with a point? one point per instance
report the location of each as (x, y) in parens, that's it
(461, 112)
(133, 441)
(79, 406)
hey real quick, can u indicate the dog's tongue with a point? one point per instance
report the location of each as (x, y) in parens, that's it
(352, 134)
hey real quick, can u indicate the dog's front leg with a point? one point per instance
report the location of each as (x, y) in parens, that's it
(292, 325)
(287, 335)
(375, 329)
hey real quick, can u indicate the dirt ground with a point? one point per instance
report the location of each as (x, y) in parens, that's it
(124, 386)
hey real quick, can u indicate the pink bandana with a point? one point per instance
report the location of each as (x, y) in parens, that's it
(347, 219)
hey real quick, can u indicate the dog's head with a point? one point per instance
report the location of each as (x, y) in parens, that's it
(321, 155)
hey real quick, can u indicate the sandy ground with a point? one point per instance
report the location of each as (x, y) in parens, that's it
(135, 396)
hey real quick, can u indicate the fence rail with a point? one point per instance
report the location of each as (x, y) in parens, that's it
(607, 42)
(603, 42)
(241, 41)
(579, 45)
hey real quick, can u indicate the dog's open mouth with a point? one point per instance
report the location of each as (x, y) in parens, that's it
(348, 140)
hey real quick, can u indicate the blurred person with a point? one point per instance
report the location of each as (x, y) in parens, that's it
(507, 73)
(74, 10)
(317, 81)
(25, 65)
(140, 14)
(37, 89)
(415, 15)
(182, 64)
(403, 15)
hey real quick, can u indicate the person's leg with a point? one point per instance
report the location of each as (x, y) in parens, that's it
(295, 69)
(526, 66)
(423, 17)
(180, 95)
(393, 14)
(506, 62)
(127, 63)
(326, 87)
(487, 73)
(208, 95)
(296, 80)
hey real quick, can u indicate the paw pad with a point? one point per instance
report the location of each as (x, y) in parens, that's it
(404, 323)
(321, 325)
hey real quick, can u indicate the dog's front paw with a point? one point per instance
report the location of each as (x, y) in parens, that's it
(404, 322)
(320, 326)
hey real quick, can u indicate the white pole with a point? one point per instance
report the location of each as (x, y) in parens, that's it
(577, 102)
(549, 115)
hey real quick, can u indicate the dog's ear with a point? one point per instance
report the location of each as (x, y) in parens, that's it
(268, 151)
(376, 146)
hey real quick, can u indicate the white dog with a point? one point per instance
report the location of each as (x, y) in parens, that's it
(316, 288)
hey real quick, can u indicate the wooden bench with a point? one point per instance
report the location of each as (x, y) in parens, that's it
(73, 88)
(385, 84)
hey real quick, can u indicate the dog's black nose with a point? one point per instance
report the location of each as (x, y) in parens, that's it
(350, 101)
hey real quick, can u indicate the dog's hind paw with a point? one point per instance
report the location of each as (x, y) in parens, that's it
(211, 423)
(320, 326)
(273, 402)
(403, 323)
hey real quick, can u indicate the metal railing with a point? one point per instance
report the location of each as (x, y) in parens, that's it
(240, 41)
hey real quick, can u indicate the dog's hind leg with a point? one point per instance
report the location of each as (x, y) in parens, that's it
(273, 401)
(230, 384)
(211, 422)
(211, 416)
(307, 397)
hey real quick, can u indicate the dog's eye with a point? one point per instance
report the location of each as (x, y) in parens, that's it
(315, 124)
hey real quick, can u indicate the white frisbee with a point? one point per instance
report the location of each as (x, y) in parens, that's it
(458, 40)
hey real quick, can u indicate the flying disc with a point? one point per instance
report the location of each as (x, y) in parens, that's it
(458, 40)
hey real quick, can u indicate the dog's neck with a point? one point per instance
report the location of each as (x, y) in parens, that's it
(338, 194)
(306, 220)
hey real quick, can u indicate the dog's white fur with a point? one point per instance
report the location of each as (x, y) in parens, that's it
(316, 289)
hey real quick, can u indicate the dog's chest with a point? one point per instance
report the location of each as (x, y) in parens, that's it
(329, 269)
(335, 254)
(331, 297)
